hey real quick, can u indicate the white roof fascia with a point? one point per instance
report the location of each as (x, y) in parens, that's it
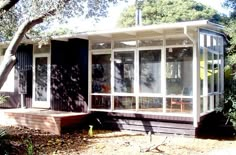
(165, 26)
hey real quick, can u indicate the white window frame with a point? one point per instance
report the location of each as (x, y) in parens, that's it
(136, 92)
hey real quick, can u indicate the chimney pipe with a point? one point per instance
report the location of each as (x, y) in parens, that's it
(138, 15)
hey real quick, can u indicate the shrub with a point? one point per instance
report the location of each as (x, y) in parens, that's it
(3, 98)
(4, 142)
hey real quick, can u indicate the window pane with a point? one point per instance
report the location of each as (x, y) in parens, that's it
(43, 49)
(124, 44)
(178, 69)
(216, 73)
(124, 72)
(178, 41)
(221, 74)
(101, 73)
(179, 105)
(150, 71)
(210, 72)
(41, 79)
(151, 104)
(101, 45)
(201, 104)
(156, 42)
(124, 102)
(101, 102)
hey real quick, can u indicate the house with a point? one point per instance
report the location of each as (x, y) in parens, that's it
(161, 78)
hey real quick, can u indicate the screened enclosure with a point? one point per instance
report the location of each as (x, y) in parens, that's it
(169, 69)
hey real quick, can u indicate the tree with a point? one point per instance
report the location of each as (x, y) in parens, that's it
(228, 107)
(166, 11)
(28, 13)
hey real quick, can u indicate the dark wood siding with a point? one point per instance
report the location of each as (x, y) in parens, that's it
(69, 75)
(143, 122)
(23, 63)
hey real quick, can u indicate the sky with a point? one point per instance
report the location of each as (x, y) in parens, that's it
(114, 11)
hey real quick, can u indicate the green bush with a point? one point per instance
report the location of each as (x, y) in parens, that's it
(228, 107)
(4, 143)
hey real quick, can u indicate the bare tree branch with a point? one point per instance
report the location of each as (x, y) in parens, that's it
(5, 5)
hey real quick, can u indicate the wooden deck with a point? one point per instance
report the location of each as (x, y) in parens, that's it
(45, 120)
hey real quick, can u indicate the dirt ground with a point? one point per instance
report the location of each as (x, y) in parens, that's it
(115, 143)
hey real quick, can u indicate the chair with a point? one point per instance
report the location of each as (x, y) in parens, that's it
(182, 101)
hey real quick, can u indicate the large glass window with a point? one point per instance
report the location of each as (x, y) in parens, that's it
(124, 72)
(213, 44)
(101, 81)
(178, 69)
(101, 73)
(150, 71)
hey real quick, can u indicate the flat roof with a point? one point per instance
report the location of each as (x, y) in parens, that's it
(136, 31)
(160, 29)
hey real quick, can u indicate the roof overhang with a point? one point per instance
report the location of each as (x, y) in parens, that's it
(161, 30)
(154, 30)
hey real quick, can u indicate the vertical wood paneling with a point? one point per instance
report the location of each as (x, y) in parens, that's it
(69, 75)
(23, 63)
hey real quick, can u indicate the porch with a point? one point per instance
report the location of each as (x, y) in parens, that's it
(42, 119)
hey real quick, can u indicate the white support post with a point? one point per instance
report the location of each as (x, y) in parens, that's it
(89, 78)
(136, 78)
(196, 85)
(196, 77)
(163, 75)
(22, 100)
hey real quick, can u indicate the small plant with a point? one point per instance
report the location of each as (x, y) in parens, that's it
(29, 147)
(3, 98)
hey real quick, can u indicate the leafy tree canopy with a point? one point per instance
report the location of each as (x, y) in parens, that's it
(17, 17)
(54, 10)
(166, 11)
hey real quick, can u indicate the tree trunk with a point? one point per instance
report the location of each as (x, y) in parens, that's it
(10, 54)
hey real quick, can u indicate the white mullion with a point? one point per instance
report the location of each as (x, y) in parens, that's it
(219, 69)
(163, 75)
(212, 70)
(222, 66)
(136, 76)
(89, 78)
(212, 81)
(112, 80)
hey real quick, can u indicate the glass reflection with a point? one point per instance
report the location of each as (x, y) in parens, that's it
(124, 72)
